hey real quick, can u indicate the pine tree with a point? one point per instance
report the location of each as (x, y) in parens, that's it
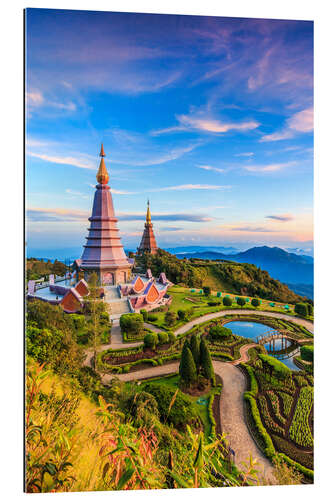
(187, 369)
(195, 349)
(206, 362)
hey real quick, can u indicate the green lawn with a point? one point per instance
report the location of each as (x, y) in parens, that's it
(180, 300)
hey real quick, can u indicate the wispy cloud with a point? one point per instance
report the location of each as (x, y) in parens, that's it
(206, 124)
(64, 160)
(273, 167)
(252, 229)
(299, 122)
(185, 187)
(72, 215)
(245, 154)
(280, 218)
(213, 169)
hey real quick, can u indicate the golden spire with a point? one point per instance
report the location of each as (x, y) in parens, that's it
(102, 174)
(148, 216)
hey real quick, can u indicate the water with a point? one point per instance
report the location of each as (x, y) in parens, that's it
(251, 330)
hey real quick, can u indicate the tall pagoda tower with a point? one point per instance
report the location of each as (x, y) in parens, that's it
(148, 242)
(103, 252)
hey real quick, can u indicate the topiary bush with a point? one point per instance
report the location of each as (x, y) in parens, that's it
(187, 368)
(170, 318)
(219, 332)
(241, 301)
(163, 337)
(131, 323)
(206, 362)
(206, 290)
(227, 301)
(150, 340)
(152, 317)
(255, 302)
(301, 309)
(307, 352)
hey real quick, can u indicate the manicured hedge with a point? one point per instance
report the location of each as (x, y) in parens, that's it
(211, 416)
(279, 369)
(269, 447)
(253, 380)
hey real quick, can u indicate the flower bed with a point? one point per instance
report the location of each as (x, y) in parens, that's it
(274, 400)
(268, 421)
(287, 402)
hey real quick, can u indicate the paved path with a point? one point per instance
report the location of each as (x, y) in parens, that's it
(243, 351)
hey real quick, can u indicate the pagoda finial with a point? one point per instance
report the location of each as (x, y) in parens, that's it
(148, 216)
(102, 174)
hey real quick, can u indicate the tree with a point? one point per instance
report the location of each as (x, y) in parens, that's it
(307, 352)
(163, 337)
(227, 301)
(195, 349)
(187, 369)
(301, 309)
(255, 302)
(206, 362)
(172, 337)
(144, 314)
(131, 323)
(181, 314)
(150, 340)
(241, 301)
(206, 291)
(170, 318)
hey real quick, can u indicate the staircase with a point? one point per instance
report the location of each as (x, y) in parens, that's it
(118, 307)
(111, 293)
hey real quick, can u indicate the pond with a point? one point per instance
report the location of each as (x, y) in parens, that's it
(251, 330)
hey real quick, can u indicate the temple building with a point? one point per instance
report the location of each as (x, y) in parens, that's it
(103, 252)
(148, 242)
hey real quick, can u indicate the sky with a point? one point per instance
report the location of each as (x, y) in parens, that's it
(211, 118)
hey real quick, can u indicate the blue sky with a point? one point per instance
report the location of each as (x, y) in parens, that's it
(210, 118)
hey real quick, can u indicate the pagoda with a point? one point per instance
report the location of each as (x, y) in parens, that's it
(148, 242)
(103, 252)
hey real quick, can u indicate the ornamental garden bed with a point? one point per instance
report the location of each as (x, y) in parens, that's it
(281, 414)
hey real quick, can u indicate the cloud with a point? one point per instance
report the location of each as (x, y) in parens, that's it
(76, 193)
(302, 121)
(206, 124)
(118, 191)
(273, 167)
(64, 160)
(299, 122)
(250, 229)
(157, 159)
(213, 169)
(245, 154)
(280, 218)
(171, 229)
(185, 187)
(72, 215)
(34, 98)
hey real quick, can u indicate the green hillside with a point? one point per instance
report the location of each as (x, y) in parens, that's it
(233, 277)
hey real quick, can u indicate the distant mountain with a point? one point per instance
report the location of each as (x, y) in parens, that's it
(195, 249)
(284, 266)
(302, 289)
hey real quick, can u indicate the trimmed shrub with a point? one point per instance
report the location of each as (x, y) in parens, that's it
(307, 352)
(181, 314)
(301, 309)
(172, 337)
(152, 317)
(206, 362)
(219, 332)
(163, 337)
(131, 323)
(241, 301)
(150, 340)
(252, 377)
(187, 369)
(255, 302)
(144, 314)
(170, 318)
(269, 447)
(274, 366)
(206, 291)
(227, 301)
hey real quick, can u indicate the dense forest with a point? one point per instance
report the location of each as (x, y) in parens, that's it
(244, 279)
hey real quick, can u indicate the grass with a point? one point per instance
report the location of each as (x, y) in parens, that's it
(201, 410)
(180, 296)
